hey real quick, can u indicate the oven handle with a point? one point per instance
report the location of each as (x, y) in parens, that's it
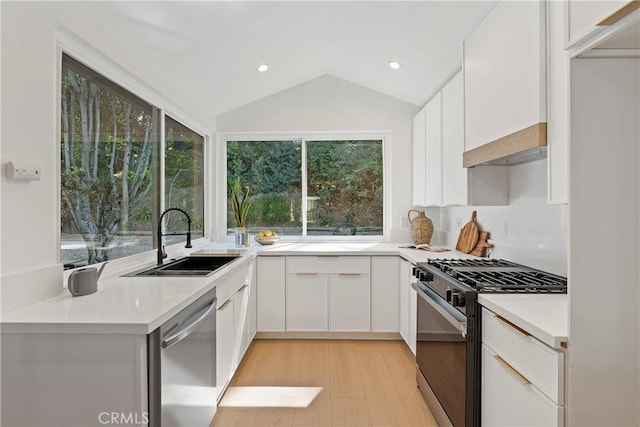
(458, 320)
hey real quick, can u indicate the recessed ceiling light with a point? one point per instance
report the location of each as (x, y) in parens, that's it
(394, 64)
(263, 67)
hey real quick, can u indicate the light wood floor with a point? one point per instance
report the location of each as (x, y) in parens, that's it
(365, 383)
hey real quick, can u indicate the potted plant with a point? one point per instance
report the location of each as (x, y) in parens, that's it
(241, 202)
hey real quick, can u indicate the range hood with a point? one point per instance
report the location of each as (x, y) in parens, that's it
(523, 146)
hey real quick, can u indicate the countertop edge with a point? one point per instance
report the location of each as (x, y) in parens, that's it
(552, 339)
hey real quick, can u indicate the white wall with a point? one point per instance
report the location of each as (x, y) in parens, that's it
(328, 103)
(528, 230)
(31, 34)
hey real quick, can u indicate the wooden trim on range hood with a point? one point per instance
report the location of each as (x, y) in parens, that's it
(525, 145)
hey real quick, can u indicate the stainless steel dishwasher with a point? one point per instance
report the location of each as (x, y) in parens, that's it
(182, 367)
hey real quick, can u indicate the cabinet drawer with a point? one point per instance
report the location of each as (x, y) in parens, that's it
(509, 400)
(329, 264)
(537, 362)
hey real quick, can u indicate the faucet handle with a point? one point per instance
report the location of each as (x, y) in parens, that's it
(164, 254)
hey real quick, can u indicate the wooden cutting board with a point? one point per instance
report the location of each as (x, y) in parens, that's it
(482, 244)
(468, 237)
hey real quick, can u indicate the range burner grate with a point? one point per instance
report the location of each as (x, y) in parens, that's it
(498, 275)
(513, 281)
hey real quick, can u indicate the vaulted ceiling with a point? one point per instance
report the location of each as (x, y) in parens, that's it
(204, 54)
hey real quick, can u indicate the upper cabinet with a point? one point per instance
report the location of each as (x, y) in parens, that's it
(439, 178)
(557, 104)
(585, 17)
(505, 85)
(427, 154)
(454, 176)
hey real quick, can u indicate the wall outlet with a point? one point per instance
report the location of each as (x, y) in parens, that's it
(458, 222)
(506, 230)
(405, 222)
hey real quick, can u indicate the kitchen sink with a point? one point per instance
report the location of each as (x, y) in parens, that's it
(187, 267)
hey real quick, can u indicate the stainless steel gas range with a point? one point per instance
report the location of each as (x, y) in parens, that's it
(449, 329)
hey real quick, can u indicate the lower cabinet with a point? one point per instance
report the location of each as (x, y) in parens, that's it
(349, 302)
(306, 302)
(522, 378)
(385, 294)
(270, 273)
(235, 322)
(408, 306)
(225, 344)
(329, 294)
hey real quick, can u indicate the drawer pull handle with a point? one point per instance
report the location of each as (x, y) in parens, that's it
(512, 370)
(226, 303)
(307, 274)
(515, 328)
(348, 274)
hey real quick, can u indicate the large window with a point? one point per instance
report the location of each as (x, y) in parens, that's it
(310, 187)
(110, 169)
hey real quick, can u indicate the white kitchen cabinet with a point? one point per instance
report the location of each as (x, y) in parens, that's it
(504, 72)
(454, 176)
(385, 294)
(232, 315)
(427, 154)
(522, 378)
(249, 331)
(225, 344)
(349, 302)
(433, 144)
(328, 293)
(271, 294)
(307, 302)
(584, 17)
(557, 104)
(408, 305)
(509, 399)
(419, 156)
(446, 182)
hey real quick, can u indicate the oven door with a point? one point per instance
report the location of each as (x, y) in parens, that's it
(441, 356)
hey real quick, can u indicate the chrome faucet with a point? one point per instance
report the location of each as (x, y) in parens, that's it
(161, 253)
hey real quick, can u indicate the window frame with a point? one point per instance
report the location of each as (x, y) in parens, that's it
(221, 178)
(78, 50)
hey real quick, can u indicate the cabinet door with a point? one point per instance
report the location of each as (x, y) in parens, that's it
(240, 307)
(349, 302)
(504, 72)
(385, 294)
(418, 181)
(405, 273)
(584, 16)
(413, 319)
(454, 176)
(307, 302)
(433, 143)
(225, 344)
(251, 328)
(557, 104)
(271, 294)
(508, 399)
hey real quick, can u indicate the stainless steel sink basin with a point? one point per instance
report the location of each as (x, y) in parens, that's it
(187, 267)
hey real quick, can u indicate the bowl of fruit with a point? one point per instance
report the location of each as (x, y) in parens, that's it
(266, 237)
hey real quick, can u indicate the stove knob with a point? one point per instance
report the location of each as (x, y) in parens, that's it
(425, 276)
(457, 299)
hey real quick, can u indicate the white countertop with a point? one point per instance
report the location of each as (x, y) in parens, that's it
(138, 305)
(545, 316)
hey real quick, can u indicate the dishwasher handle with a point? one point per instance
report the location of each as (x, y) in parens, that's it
(191, 325)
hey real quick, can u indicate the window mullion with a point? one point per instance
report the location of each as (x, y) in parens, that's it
(303, 165)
